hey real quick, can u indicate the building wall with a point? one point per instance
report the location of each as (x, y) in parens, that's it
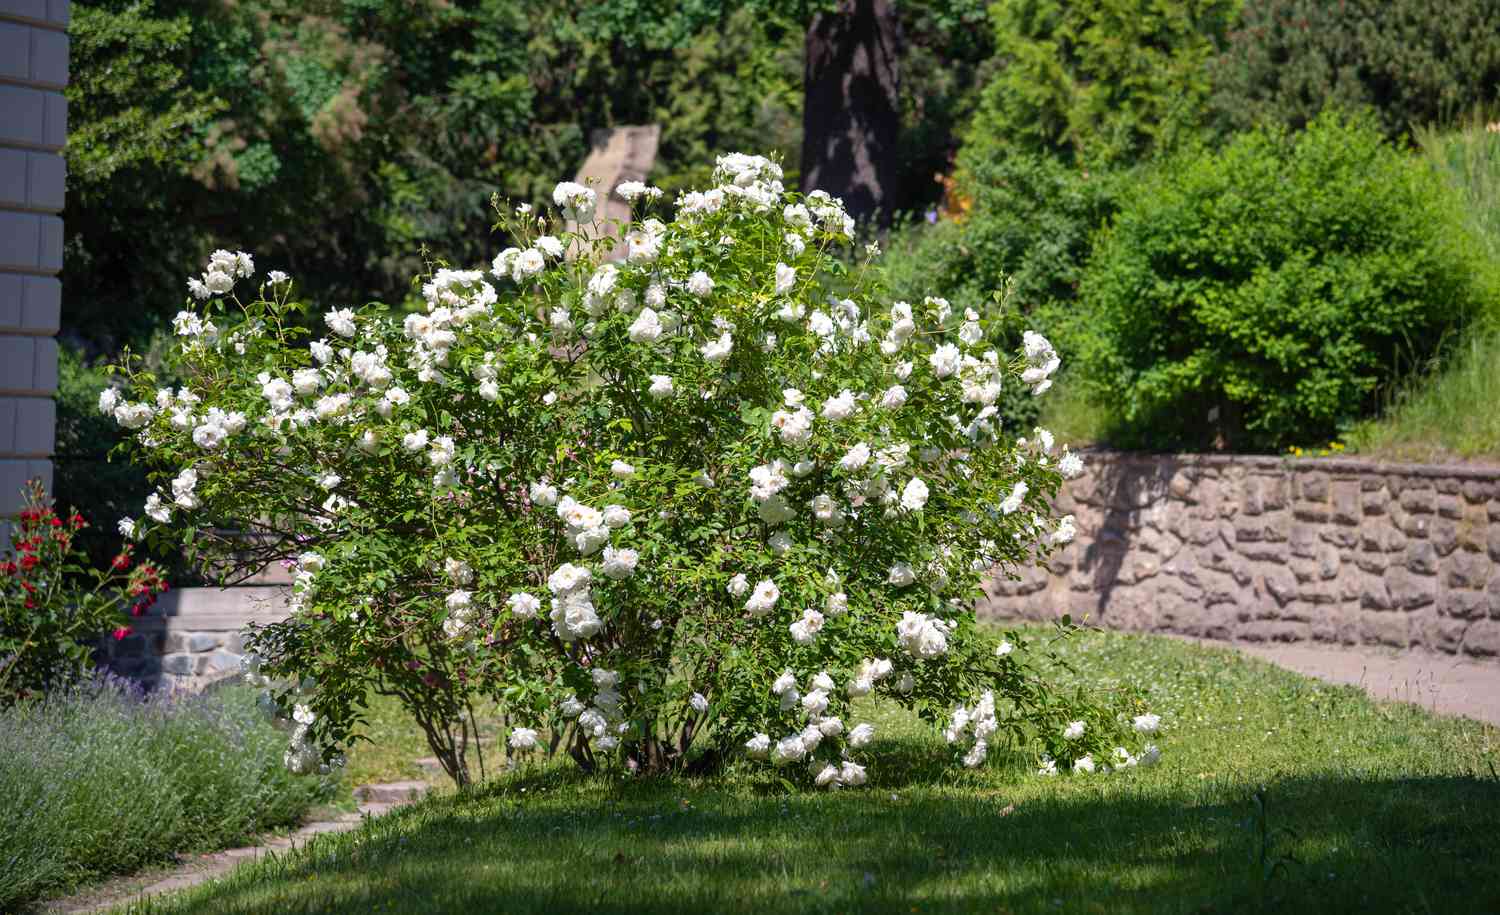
(33, 127)
(1258, 549)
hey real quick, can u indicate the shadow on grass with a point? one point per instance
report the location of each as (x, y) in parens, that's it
(556, 842)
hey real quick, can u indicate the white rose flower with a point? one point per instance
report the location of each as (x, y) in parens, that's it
(647, 328)
(524, 606)
(805, 630)
(619, 564)
(698, 702)
(700, 284)
(616, 516)
(577, 202)
(764, 598)
(718, 350)
(855, 457)
(522, 739)
(1147, 724)
(1073, 731)
(894, 396)
(1003, 649)
(788, 750)
(621, 470)
(1013, 501)
(945, 360)
(901, 575)
(739, 585)
(839, 407)
(914, 496)
(759, 746)
(851, 774)
(661, 387)
(341, 322)
(542, 493)
(861, 735)
(786, 278)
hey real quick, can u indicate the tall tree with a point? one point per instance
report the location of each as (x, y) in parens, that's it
(851, 113)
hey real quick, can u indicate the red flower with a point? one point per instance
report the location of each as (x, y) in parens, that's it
(122, 632)
(122, 562)
(29, 562)
(56, 522)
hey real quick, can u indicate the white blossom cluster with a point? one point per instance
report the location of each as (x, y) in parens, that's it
(827, 771)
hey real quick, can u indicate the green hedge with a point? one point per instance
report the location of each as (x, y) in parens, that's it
(1412, 62)
(100, 780)
(1261, 296)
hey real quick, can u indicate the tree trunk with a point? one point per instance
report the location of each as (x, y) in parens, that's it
(851, 112)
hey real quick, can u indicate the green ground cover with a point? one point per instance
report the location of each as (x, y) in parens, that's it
(1276, 792)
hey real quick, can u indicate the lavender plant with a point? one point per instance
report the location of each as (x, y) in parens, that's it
(689, 505)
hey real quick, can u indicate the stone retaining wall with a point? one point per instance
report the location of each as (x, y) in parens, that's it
(193, 636)
(1268, 549)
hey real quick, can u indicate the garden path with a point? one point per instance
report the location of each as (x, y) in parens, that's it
(1444, 684)
(374, 800)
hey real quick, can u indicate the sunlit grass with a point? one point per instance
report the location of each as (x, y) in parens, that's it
(1367, 807)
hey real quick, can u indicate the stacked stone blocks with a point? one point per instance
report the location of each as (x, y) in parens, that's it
(1264, 549)
(193, 636)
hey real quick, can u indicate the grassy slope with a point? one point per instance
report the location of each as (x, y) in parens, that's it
(1384, 808)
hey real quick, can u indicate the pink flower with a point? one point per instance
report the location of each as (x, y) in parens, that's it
(122, 632)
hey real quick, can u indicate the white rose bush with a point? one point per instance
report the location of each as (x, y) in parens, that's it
(687, 507)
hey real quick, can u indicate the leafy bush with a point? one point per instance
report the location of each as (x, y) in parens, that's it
(660, 509)
(102, 780)
(1098, 82)
(53, 607)
(1414, 62)
(1262, 295)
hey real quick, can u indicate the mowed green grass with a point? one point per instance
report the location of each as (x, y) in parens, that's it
(1363, 807)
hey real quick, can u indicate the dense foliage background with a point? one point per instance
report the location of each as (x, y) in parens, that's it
(347, 141)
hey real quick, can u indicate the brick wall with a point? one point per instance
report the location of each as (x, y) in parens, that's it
(1258, 548)
(33, 126)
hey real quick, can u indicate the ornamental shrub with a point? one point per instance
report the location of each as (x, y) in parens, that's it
(1100, 81)
(1412, 62)
(667, 510)
(1261, 296)
(54, 607)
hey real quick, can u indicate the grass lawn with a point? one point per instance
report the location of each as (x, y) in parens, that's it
(1364, 807)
